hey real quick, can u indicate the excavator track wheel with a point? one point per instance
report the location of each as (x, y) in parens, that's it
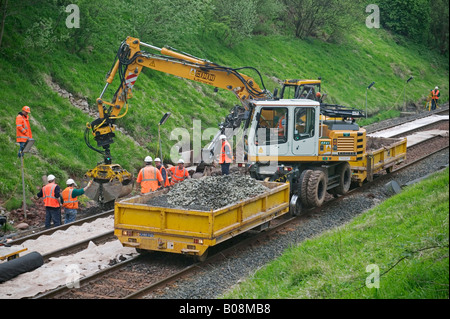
(317, 188)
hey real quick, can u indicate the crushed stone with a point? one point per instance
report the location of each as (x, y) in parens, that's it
(209, 192)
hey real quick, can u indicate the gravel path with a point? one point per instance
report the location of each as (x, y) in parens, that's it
(214, 282)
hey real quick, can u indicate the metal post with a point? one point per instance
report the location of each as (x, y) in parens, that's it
(404, 98)
(23, 187)
(159, 138)
(367, 89)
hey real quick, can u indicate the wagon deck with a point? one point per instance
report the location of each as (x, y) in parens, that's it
(192, 232)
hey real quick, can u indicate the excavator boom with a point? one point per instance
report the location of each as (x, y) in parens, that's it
(128, 66)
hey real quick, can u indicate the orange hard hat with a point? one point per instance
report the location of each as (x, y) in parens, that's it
(318, 94)
(26, 109)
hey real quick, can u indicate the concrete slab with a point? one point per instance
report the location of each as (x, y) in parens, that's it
(391, 132)
(420, 137)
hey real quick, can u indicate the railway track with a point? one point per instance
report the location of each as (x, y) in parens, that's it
(162, 270)
(161, 273)
(441, 111)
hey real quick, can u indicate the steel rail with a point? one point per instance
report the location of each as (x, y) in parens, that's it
(423, 115)
(224, 253)
(268, 232)
(50, 231)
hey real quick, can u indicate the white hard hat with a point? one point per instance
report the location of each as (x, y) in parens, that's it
(223, 137)
(50, 178)
(157, 159)
(181, 161)
(70, 182)
(436, 88)
(148, 159)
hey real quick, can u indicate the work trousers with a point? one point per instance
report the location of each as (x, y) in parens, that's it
(52, 214)
(433, 104)
(22, 146)
(70, 215)
(225, 168)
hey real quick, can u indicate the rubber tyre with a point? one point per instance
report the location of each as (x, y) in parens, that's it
(345, 179)
(304, 179)
(317, 188)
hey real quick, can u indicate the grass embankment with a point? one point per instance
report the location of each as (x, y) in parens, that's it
(406, 237)
(346, 68)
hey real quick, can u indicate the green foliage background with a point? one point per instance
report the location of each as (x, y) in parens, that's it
(37, 48)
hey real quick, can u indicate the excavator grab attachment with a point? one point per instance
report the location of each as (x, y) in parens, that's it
(111, 181)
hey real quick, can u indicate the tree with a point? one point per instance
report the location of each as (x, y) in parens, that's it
(238, 19)
(4, 11)
(320, 17)
(423, 21)
(439, 25)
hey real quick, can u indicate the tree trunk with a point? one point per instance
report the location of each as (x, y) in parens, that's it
(2, 28)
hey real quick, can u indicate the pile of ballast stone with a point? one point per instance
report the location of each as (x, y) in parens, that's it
(210, 192)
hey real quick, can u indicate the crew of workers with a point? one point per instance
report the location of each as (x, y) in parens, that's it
(54, 199)
(150, 178)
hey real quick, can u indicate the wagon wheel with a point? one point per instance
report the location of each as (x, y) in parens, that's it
(201, 258)
(295, 205)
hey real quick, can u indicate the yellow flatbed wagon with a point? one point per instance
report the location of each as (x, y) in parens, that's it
(381, 154)
(192, 232)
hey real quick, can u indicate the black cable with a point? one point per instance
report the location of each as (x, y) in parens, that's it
(88, 143)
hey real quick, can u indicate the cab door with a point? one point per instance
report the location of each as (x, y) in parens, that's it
(305, 131)
(272, 132)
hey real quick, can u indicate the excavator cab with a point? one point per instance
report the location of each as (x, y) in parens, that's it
(301, 89)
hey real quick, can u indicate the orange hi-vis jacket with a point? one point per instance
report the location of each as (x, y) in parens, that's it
(281, 125)
(178, 175)
(166, 183)
(223, 157)
(23, 130)
(48, 192)
(149, 177)
(435, 94)
(69, 201)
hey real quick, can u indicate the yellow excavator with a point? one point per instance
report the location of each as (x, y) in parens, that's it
(111, 180)
(288, 138)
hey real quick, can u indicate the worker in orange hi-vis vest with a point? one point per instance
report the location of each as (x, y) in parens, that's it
(435, 94)
(225, 156)
(178, 173)
(51, 193)
(149, 177)
(70, 197)
(23, 129)
(163, 172)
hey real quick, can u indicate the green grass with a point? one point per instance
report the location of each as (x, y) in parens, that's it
(346, 69)
(406, 237)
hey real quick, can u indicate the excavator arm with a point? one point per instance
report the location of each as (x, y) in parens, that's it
(130, 61)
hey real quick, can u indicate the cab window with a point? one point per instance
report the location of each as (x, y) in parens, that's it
(272, 126)
(304, 123)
